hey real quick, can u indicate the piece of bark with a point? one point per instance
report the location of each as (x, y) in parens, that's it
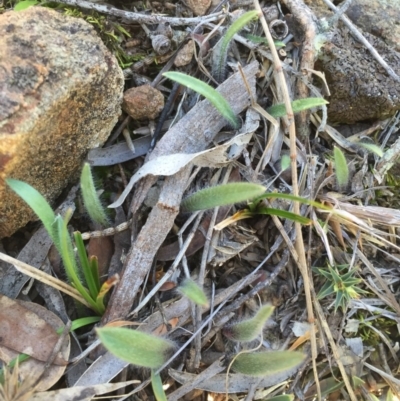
(192, 134)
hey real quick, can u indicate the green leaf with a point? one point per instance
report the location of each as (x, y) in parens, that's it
(284, 214)
(157, 386)
(91, 281)
(24, 4)
(267, 363)
(371, 147)
(221, 49)
(191, 290)
(286, 397)
(37, 203)
(342, 170)
(90, 198)
(285, 162)
(135, 347)
(250, 329)
(222, 195)
(81, 322)
(260, 39)
(215, 98)
(279, 110)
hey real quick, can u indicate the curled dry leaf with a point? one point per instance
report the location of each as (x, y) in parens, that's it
(29, 328)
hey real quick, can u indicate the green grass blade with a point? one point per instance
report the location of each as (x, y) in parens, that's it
(85, 264)
(136, 347)
(215, 98)
(90, 198)
(94, 269)
(157, 387)
(68, 258)
(191, 290)
(222, 195)
(37, 203)
(341, 168)
(279, 110)
(267, 363)
(284, 214)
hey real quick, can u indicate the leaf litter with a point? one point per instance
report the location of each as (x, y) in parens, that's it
(357, 353)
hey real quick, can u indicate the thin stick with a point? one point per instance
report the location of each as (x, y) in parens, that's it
(138, 17)
(302, 262)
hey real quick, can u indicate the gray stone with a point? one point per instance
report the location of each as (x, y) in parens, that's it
(60, 95)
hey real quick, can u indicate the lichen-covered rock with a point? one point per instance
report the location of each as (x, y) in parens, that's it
(360, 87)
(60, 95)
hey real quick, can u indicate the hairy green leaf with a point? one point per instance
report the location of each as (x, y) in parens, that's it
(136, 347)
(37, 203)
(215, 98)
(279, 110)
(267, 363)
(371, 147)
(341, 168)
(90, 198)
(222, 195)
(221, 49)
(250, 329)
(191, 290)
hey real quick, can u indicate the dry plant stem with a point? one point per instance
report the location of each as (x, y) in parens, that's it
(138, 17)
(44, 278)
(364, 41)
(191, 134)
(305, 18)
(334, 349)
(302, 263)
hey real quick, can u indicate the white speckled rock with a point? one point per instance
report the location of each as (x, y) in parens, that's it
(60, 95)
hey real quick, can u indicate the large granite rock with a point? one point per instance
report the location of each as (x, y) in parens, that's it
(60, 95)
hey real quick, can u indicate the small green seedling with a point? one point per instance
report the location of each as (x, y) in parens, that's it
(191, 290)
(250, 329)
(136, 347)
(214, 97)
(341, 283)
(267, 363)
(89, 286)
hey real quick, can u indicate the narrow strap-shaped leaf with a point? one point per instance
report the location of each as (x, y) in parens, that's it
(279, 110)
(215, 98)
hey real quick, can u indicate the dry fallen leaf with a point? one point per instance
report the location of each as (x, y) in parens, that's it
(31, 329)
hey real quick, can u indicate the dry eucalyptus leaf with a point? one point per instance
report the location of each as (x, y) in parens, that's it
(170, 164)
(23, 331)
(30, 328)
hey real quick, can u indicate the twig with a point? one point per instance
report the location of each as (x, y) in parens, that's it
(365, 42)
(138, 17)
(306, 19)
(302, 263)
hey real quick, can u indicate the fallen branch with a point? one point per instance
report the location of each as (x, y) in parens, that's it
(191, 134)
